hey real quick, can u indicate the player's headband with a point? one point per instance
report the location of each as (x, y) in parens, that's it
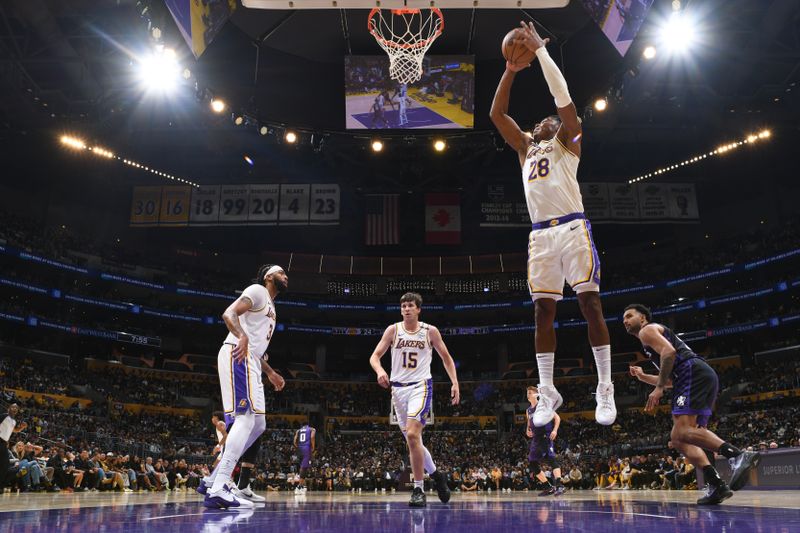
(273, 269)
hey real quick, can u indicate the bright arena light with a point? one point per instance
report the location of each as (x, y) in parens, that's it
(290, 137)
(439, 145)
(677, 35)
(159, 71)
(649, 52)
(600, 104)
(73, 142)
(217, 105)
(377, 146)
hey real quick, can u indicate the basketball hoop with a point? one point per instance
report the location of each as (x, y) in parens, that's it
(406, 35)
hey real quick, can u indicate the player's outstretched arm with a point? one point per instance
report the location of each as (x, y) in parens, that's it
(508, 128)
(449, 365)
(570, 132)
(380, 349)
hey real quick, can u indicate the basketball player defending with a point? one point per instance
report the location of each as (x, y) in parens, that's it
(694, 390)
(242, 357)
(541, 449)
(304, 440)
(412, 343)
(560, 245)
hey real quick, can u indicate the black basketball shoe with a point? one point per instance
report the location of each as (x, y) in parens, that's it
(440, 480)
(418, 498)
(741, 467)
(715, 495)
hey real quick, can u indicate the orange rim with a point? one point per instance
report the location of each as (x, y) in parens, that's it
(371, 27)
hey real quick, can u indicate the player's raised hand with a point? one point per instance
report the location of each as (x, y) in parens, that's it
(455, 394)
(240, 350)
(635, 371)
(529, 37)
(654, 398)
(513, 67)
(383, 380)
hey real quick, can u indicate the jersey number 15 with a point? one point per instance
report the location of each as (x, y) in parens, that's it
(410, 359)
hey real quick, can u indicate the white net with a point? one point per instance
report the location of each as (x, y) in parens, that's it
(405, 35)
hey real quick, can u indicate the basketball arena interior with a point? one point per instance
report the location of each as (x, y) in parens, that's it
(167, 164)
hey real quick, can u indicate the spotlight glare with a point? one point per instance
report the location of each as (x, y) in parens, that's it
(377, 145)
(600, 104)
(159, 71)
(677, 35)
(439, 145)
(263, 130)
(217, 105)
(649, 52)
(290, 137)
(238, 120)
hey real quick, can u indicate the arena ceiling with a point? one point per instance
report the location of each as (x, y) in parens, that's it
(65, 64)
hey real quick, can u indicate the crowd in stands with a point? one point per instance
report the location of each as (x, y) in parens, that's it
(68, 448)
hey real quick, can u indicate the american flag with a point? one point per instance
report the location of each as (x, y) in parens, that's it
(381, 220)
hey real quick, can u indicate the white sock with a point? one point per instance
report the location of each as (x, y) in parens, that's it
(245, 430)
(602, 359)
(419, 484)
(545, 363)
(430, 467)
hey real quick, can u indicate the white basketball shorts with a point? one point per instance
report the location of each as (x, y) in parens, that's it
(565, 252)
(412, 402)
(240, 383)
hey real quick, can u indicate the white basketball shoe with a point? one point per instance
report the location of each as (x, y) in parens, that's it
(606, 411)
(549, 401)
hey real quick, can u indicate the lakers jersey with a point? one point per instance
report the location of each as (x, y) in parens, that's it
(550, 180)
(258, 323)
(411, 354)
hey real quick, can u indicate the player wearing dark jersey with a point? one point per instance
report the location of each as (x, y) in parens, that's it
(694, 390)
(541, 448)
(304, 441)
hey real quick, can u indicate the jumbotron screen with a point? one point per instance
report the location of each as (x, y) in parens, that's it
(443, 98)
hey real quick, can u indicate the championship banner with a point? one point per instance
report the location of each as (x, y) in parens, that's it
(236, 205)
(503, 206)
(200, 22)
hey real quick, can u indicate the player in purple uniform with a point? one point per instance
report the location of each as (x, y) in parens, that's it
(304, 440)
(541, 449)
(694, 390)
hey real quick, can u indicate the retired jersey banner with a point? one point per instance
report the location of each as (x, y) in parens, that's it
(443, 218)
(236, 205)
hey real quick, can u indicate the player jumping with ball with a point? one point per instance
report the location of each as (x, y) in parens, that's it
(560, 244)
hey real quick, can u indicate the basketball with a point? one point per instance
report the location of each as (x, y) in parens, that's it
(516, 53)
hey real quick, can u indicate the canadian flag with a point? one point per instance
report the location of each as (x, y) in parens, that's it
(442, 218)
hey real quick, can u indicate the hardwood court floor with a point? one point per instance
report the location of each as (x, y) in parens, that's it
(597, 512)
